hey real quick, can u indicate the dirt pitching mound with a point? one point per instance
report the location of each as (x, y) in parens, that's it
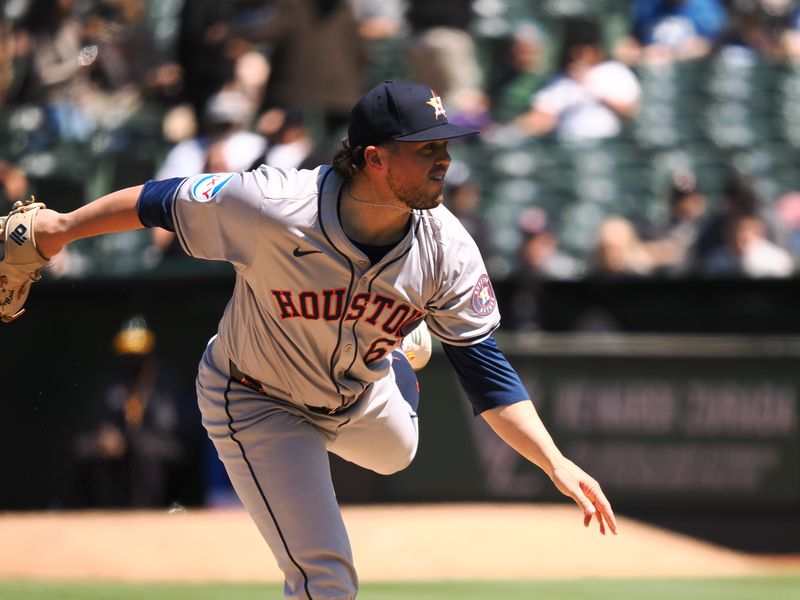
(390, 543)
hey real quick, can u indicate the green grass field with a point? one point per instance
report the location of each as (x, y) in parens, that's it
(750, 588)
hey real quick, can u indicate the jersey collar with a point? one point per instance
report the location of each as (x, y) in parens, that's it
(330, 190)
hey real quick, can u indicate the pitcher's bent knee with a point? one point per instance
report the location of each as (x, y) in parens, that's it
(397, 461)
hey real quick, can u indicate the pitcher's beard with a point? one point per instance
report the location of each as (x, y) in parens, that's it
(415, 197)
(424, 203)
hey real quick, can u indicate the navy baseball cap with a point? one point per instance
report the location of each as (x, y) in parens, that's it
(406, 112)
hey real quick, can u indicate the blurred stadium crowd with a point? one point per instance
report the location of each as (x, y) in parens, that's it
(643, 138)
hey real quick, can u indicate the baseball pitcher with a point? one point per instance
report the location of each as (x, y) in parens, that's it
(341, 272)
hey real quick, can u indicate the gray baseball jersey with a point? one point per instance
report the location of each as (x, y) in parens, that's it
(313, 323)
(310, 317)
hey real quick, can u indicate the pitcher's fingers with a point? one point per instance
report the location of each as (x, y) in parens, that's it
(599, 516)
(600, 501)
(583, 501)
(604, 508)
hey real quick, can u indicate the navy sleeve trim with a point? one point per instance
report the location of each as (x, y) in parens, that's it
(178, 232)
(487, 377)
(155, 202)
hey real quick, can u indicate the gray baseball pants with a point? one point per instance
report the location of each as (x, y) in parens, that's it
(275, 454)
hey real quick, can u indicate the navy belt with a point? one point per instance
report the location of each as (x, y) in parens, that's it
(255, 385)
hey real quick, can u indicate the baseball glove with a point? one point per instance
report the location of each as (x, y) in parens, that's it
(21, 260)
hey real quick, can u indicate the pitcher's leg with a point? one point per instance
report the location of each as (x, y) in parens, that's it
(384, 438)
(278, 465)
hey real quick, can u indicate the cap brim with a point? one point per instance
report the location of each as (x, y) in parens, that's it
(445, 131)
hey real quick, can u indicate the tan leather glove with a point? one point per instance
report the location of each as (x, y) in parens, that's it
(21, 259)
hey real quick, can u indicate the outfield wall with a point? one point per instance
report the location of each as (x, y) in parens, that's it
(672, 422)
(687, 422)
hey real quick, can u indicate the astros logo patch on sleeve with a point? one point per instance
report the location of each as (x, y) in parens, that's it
(208, 186)
(483, 299)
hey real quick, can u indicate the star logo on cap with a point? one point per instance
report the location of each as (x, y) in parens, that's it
(436, 103)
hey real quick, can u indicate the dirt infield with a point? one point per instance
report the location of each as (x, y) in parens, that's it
(390, 543)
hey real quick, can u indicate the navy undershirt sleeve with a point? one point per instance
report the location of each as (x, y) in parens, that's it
(487, 377)
(155, 202)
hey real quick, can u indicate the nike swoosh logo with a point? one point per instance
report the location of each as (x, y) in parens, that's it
(297, 252)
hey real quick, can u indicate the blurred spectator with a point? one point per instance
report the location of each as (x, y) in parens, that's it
(521, 74)
(589, 97)
(748, 252)
(539, 253)
(672, 30)
(463, 198)
(13, 185)
(224, 123)
(539, 260)
(289, 144)
(6, 56)
(669, 243)
(201, 51)
(139, 436)
(49, 41)
(619, 251)
(791, 37)
(179, 124)
(378, 19)
(739, 199)
(757, 30)
(224, 145)
(787, 210)
(127, 58)
(441, 54)
(251, 74)
(316, 55)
